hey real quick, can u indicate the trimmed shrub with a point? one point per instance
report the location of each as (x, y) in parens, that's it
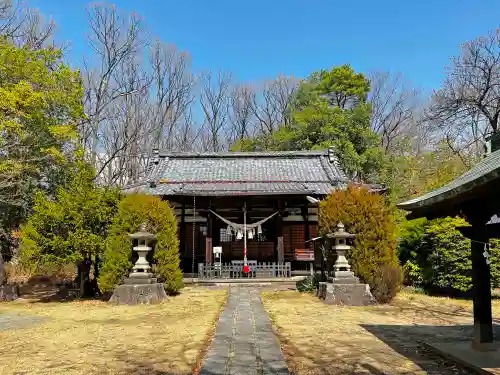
(159, 217)
(307, 285)
(367, 216)
(387, 282)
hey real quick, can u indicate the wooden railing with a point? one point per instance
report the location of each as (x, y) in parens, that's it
(234, 270)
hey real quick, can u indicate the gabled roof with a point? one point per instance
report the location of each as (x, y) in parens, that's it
(483, 173)
(242, 173)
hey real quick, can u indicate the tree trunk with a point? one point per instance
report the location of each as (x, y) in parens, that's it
(82, 279)
(3, 277)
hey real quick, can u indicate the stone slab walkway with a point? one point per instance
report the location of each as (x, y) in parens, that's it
(244, 342)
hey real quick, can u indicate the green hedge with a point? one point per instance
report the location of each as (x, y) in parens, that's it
(159, 217)
(436, 256)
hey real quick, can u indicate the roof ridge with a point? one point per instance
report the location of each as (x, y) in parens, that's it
(225, 181)
(243, 154)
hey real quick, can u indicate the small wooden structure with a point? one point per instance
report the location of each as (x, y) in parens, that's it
(475, 197)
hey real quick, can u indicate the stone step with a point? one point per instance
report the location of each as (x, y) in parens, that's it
(141, 275)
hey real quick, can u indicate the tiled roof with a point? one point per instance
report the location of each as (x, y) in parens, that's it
(485, 171)
(242, 173)
(494, 220)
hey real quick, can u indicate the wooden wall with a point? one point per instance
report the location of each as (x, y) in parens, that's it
(294, 237)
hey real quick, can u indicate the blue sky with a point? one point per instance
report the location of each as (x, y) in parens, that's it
(259, 39)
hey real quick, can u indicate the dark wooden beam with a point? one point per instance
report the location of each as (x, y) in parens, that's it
(182, 231)
(216, 226)
(280, 246)
(305, 215)
(237, 201)
(481, 284)
(208, 239)
(490, 231)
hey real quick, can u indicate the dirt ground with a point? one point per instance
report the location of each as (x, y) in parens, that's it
(386, 339)
(94, 337)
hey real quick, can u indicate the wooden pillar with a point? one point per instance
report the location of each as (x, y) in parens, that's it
(307, 235)
(216, 226)
(182, 230)
(481, 286)
(307, 232)
(280, 247)
(483, 319)
(208, 239)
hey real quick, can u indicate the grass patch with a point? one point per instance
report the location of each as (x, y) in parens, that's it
(98, 338)
(323, 339)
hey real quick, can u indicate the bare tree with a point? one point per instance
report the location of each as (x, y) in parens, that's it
(172, 87)
(393, 107)
(188, 133)
(272, 106)
(24, 26)
(464, 135)
(241, 113)
(116, 41)
(126, 125)
(214, 100)
(470, 96)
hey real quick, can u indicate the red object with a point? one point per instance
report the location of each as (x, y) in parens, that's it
(246, 269)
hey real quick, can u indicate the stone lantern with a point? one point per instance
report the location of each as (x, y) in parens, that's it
(343, 288)
(140, 286)
(141, 272)
(341, 268)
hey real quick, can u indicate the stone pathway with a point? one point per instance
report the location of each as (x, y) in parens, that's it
(244, 341)
(12, 321)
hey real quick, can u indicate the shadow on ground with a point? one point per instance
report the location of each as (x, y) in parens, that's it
(143, 364)
(48, 290)
(360, 356)
(398, 337)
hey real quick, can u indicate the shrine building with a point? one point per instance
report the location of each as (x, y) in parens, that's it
(212, 191)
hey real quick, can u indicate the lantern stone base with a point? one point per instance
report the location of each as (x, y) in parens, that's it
(9, 292)
(135, 294)
(140, 278)
(345, 291)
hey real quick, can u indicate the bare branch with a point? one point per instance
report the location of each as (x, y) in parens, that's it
(117, 41)
(214, 101)
(172, 88)
(472, 87)
(24, 26)
(393, 107)
(272, 106)
(241, 113)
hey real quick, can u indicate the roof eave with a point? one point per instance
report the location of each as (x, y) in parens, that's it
(447, 195)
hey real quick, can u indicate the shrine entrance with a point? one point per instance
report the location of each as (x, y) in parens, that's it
(244, 250)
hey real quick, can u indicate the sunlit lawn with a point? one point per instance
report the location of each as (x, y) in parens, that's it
(91, 337)
(325, 339)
